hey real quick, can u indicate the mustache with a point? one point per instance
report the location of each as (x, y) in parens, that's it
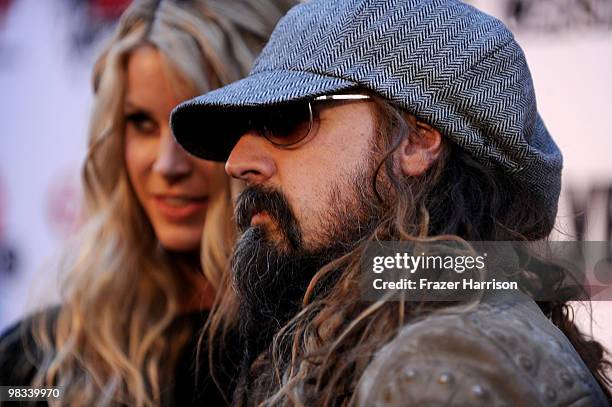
(254, 199)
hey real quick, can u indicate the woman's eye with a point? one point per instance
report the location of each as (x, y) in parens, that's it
(142, 122)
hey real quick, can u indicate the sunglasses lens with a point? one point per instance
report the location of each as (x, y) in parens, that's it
(285, 125)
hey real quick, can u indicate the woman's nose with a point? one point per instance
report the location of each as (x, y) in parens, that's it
(172, 162)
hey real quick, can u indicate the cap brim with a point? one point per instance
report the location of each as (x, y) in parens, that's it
(202, 125)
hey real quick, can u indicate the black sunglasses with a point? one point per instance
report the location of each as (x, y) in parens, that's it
(288, 124)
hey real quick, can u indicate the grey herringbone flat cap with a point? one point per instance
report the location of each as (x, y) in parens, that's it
(447, 63)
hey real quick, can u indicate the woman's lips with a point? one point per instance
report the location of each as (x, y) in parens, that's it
(180, 208)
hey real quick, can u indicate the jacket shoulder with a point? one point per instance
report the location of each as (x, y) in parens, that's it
(20, 356)
(494, 354)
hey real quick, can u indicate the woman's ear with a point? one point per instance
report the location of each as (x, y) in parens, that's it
(419, 150)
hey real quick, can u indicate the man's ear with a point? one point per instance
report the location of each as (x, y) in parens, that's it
(419, 150)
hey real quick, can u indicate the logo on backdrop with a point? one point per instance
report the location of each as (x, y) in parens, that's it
(8, 254)
(7, 50)
(93, 19)
(596, 205)
(559, 15)
(63, 203)
(5, 5)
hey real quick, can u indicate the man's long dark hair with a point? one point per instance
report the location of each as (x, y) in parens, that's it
(320, 355)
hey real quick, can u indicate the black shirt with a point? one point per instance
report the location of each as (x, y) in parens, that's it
(19, 358)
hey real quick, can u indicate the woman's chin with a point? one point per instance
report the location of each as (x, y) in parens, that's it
(180, 239)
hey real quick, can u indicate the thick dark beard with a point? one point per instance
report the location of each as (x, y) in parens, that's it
(270, 285)
(271, 279)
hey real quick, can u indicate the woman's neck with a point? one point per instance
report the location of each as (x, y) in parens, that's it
(197, 292)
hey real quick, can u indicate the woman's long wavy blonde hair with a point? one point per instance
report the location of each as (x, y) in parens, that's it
(111, 340)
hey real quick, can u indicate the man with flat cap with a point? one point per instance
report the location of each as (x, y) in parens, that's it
(370, 121)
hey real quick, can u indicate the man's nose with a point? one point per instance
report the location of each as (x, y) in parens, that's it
(172, 162)
(250, 160)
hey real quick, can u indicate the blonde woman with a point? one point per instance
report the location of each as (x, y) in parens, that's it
(134, 295)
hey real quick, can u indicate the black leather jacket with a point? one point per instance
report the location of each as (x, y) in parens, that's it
(502, 352)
